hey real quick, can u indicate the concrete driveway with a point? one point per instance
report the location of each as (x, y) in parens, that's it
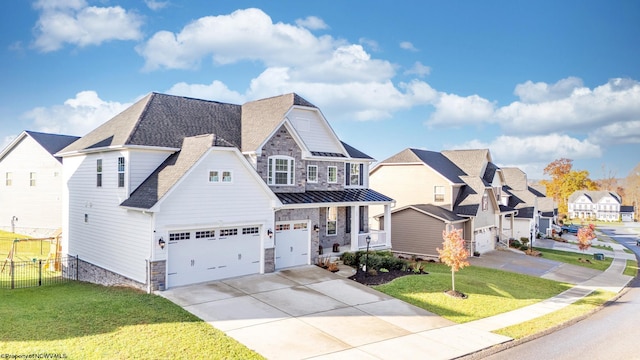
(309, 312)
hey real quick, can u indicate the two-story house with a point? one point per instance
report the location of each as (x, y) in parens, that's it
(594, 205)
(175, 191)
(31, 183)
(437, 191)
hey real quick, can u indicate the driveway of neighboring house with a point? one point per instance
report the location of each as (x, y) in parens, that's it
(309, 312)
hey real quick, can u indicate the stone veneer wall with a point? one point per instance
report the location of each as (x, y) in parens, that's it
(94, 274)
(158, 275)
(269, 260)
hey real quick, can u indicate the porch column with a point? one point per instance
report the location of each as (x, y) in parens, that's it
(387, 224)
(355, 227)
(512, 224)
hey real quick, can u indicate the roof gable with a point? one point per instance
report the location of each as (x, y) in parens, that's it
(51, 143)
(472, 162)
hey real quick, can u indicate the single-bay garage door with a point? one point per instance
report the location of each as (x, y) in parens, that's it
(206, 255)
(484, 241)
(292, 243)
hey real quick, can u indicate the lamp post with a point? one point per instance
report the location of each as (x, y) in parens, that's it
(366, 260)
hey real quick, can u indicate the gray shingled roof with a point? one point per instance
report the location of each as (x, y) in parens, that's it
(434, 160)
(164, 121)
(333, 196)
(355, 153)
(525, 212)
(627, 209)
(437, 211)
(490, 173)
(595, 196)
(260, 117)
(470, 161)
(515, 178)
(169, 173)
(52, 142)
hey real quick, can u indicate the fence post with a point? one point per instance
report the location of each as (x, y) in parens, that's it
(39, 272)
(13, 275)
(77, 266)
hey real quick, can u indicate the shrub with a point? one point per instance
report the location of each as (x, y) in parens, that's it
(349, 259)
(524, 248)
(514, 243)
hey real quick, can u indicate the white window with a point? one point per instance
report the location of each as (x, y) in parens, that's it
(485, 201)
(99, 173)
(32, 179)
(312, 173)
(121, 171)
(354, 174)
(226, 176)
(281, 170)
(332, 174)
(214, 176)
(438, 193)
(8, 179)
(332, 220)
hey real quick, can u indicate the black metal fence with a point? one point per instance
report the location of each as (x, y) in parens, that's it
(24, 274)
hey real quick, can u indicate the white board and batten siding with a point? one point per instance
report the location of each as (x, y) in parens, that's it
(36, 207)
(314, 131)
(196, 205)
(99, 230)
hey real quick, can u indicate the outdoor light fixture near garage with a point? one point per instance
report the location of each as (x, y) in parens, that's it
(270, 233)
(316, 228)
(161, 243)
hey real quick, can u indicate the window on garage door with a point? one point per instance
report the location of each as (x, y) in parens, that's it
(179, 236)
(205, 234)
(228, 232)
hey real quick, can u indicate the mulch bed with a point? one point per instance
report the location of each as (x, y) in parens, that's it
(380, 278)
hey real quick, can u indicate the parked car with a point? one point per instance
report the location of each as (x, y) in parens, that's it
(570, 229)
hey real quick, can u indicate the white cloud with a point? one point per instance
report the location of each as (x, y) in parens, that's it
(156, 5)
(531, 92)
(418, 69)
(77, 116)
(533, 153)
(370, 44)
(455, 110)
(312, 23)
(73, 22)
(243, 35)
(406, 45)
(216, 91)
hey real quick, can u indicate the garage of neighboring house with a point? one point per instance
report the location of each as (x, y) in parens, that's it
(485, 239)
(292, 243)
(202, 255)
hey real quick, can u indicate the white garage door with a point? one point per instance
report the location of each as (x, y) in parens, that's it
(206, 255)
(292, 243)
(484, 241)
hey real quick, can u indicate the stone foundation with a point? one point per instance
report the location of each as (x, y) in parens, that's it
(94, 274)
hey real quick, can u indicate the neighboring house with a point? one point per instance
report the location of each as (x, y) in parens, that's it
(435, 191)
(31, 184)
(175, 191)
(627, 213)
(535, 210)
(594, 205)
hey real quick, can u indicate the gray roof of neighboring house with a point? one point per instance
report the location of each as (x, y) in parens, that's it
(594, 196)
(260, 117)
(435, 160)
(515, 178)
(525, 212)
(164, 121)
(470, 161)
(627, 209)
(490, 173)
(169, 172)
(52, 143)
(437, 211)
(333, 196)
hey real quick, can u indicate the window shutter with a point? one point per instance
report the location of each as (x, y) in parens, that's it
(347, 171)
(270, 172)
(361, 174)
(292, 170)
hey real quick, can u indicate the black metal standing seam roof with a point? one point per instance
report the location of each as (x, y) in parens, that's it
(52, 142)
(333, 196)
(441, 164)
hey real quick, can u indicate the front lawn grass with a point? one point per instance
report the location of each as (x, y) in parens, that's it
(87, 321)
(490, 292)
(631, 269)
(579, 308)
(572, 258)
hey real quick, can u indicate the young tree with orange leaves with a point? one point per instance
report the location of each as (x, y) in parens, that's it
(453, 252)
(585, 235)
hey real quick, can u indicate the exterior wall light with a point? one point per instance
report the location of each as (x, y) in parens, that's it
(161, 243)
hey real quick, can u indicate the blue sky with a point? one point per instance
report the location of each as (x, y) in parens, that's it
(532, 81)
